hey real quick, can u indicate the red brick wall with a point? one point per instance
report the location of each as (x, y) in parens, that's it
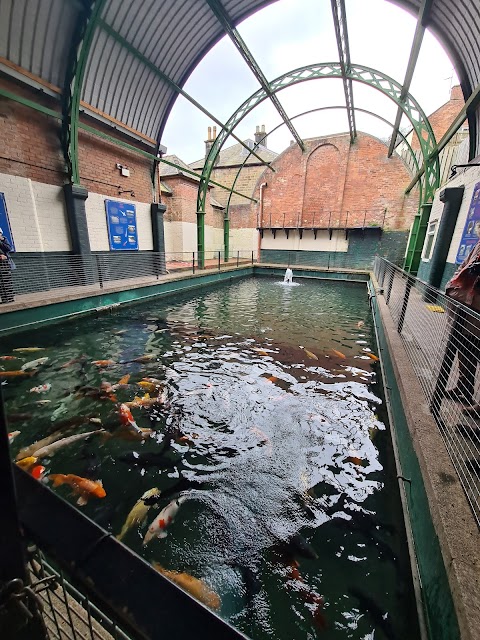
(30, 147)
(182, 205)
(443, 117)
(355, 183)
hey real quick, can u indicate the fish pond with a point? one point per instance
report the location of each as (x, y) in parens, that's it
(256, 411)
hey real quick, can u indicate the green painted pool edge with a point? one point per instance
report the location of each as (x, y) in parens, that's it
(438, 604)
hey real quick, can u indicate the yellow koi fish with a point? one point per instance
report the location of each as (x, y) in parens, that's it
(138, 513)
(311, 355)
(195, 587)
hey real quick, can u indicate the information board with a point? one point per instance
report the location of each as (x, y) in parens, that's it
(122, 225)
(4, 221)
(471, 232)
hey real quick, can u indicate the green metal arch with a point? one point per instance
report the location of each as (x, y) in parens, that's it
(226, 220)
(364, 75)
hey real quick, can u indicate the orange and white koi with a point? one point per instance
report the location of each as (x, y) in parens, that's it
(28, 366)
(83, 487)
(103, 363)
(157, 528)
(42, 388)
(12, 435)
(8, 357)
(195, 587)
(37, 471)
(129, 424)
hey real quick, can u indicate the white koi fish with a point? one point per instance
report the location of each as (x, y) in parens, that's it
(43, 388)
(34, 364)
(50, 449)
(138, 513)
(163, 520)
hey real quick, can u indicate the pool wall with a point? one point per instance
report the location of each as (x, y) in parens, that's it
(444, 535)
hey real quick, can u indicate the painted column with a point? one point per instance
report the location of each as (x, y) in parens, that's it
(453, 200)
(83, 267)
(201, 239)
(226, 237)
(158, 232)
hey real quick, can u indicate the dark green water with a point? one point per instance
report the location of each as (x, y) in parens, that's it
(279, 443)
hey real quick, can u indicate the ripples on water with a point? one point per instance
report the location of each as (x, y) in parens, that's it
(265, 441)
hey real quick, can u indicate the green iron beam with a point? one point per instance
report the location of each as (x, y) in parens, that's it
(423, 15)
(468, 108)
(131, 49)
(341, 33)
(120, 143)
(224, 19)
(74, 76)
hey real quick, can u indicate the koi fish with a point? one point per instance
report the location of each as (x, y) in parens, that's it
(138, 513)
(37, 471)
(82, 487)
(195, 587)
(103, 363)
(131, 427)
(73, 361)
(145, 358)
(272, 379)
(42, 402)
(27, 463)
(8, 358)
(260, 352)
(29, 349)
(12, 435)
(149, 387)
(16, 374)
(310, 354)
(163, 520)
(18, 417)
(373, 356)
(52, 448)
(146, 401)
(42, 388)
(360, 324)
(339, 354)
(34, 364)
(154, 381)
(124, 379)
(120, 332)
(354, 459)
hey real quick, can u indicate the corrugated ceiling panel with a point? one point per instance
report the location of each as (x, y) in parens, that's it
(37, 34)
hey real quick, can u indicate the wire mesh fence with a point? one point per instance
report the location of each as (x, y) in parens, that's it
(442, 341)
(67, 613)
(40, 273)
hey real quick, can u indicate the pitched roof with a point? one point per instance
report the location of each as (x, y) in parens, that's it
(166, 171)
(216, 204)
(236, 154)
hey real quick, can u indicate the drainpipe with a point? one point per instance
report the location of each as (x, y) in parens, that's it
(452, 197)
(260, 219)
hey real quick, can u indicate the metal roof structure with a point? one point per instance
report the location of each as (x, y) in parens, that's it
(86, 52)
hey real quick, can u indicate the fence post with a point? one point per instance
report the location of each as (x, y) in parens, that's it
(193, 262)
(390, 285)
(406, 296)
(238, 258)
(219, 261)
(99, 270)
(252, 257)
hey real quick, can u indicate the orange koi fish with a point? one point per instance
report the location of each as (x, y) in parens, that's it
(37, 471)
(145, 358)
(129, 424)
(8, 358)
(103, 363)
(82, 487)
(195, 587)
(373, 356)
(339, 354)
(260, 352)
(149, 387)
(16, 374)
(124, 379)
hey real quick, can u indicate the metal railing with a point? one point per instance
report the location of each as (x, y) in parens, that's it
(442, 341)
(325, 219)
(39, 273)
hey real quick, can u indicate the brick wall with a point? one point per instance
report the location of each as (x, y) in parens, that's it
(245, 184)
(339, 183)
(443, 117)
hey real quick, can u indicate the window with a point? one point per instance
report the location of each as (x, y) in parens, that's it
(427, 253)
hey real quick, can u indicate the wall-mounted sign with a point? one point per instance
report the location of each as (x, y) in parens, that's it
(122, 225)
(471, 232)
(4, 221)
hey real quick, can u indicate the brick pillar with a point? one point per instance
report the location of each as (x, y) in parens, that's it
(157, 210)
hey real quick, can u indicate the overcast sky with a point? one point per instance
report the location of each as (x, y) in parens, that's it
(292, 33)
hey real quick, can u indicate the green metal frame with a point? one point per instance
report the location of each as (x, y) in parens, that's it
(222, 16)
(74, 82)
(364, 75)
(226, 221)
(341, 33)
(423, 14)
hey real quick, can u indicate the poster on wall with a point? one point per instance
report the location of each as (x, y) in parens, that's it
(4, 221)
(471, 232)
(122, 225)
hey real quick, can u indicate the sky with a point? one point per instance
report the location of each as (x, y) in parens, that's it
(289, 34)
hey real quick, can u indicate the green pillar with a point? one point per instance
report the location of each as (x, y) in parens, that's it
(201, 238)
(417, 238)
(226, 237)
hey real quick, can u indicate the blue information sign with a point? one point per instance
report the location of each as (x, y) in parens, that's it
(4, 221)
(471, 232)
(122, 225)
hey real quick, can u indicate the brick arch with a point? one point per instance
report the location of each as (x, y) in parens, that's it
(323, 186)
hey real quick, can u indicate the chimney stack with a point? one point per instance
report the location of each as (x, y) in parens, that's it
(209, 140)
(260, 135)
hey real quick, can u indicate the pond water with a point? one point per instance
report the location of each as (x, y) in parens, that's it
(269, 422)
